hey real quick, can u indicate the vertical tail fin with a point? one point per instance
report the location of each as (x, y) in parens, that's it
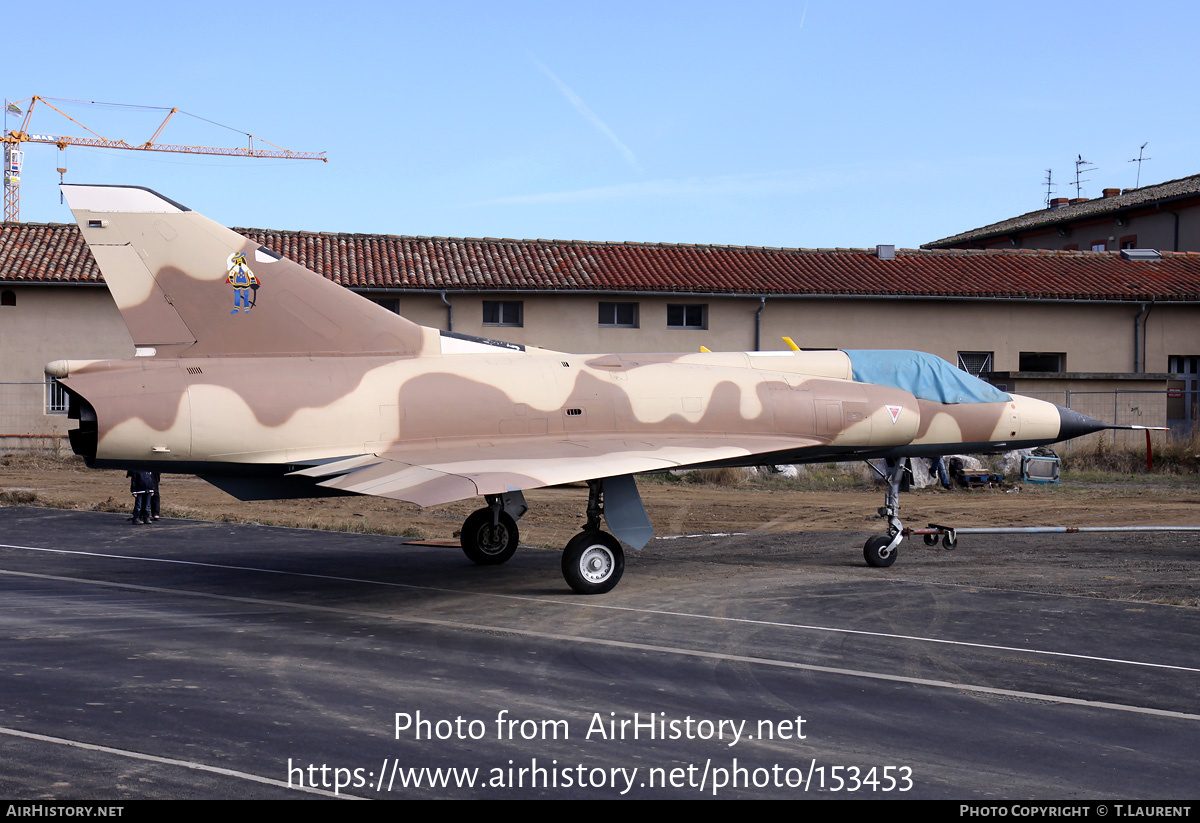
(187, 286)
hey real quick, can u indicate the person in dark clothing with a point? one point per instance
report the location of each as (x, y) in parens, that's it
(939, 466)
(156, 501)
(141, 486)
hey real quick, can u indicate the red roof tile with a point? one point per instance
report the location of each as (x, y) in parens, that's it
(52, 253)
(46, 253)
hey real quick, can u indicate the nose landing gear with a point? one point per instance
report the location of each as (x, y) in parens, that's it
(880, 550)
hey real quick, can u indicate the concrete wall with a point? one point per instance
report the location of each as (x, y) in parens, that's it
(1095, 337)
(54, 322)
(50, 323)
(1171, 330)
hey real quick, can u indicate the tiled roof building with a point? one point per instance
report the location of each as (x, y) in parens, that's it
(1162, 216)
(50, 253)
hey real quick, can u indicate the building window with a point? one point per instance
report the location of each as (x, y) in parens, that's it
(8, 297)
(1099, 245)
(1042, 361)
(56, 397)
(619, 315)
(1071, 247)
(392, 304)
(1129, 241)
(692, 316)
(503, 313)
(975, 362)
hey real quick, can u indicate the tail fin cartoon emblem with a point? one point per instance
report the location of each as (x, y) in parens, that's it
(243, 282)
(163, 264)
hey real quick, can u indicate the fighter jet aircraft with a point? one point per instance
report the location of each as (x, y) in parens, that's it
(269, 381)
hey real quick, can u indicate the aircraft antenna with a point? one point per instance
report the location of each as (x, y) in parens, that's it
(14, 156)
(1139, 160)
(1079, 165)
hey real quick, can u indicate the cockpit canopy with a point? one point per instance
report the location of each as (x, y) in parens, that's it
(925, 376)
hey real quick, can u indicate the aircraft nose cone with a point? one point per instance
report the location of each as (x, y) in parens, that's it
(1073, 424)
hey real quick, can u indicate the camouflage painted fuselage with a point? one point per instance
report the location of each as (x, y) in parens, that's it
(312, 382)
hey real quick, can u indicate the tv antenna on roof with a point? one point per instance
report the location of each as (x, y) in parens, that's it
(1049, 186)
(1139, 160)
(1079, 164)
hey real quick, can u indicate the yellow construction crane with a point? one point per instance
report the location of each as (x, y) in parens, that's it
(13, 156)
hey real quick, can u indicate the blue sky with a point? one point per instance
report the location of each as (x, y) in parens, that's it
(811, 124)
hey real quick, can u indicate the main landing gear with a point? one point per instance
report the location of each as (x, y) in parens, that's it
(592, 563)
(489, 537)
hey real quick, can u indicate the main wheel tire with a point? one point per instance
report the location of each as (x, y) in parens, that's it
(877, 553)
(930, 539)
(593, 562)
(488, 544)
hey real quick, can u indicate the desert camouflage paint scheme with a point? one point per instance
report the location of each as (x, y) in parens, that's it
(270, 380)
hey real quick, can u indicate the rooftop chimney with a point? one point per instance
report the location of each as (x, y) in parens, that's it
(1058, 202)
(1111, 192)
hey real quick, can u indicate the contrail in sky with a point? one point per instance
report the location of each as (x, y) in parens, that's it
(582, 107)
(783, 183)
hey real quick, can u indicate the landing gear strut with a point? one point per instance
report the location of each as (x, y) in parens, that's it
(593, 562)
(880, 550)
(490, 535)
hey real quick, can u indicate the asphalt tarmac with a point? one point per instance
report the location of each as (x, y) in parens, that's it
(208, 660)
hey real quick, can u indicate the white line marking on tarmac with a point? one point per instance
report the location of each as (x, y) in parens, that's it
(170, 761)
(903, 578)
(711, 534)
(620, 644)
(635, 609)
